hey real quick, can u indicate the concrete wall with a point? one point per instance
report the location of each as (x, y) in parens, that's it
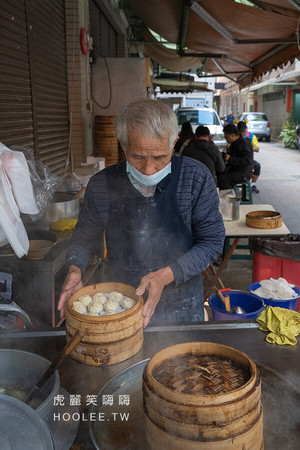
(116, 82)
(236, 101)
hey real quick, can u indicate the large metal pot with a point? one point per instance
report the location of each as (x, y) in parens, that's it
(19, 371)
(62, 205)
(21, 427)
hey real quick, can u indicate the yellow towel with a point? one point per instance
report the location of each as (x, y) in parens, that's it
(64, 224)
(283, 325)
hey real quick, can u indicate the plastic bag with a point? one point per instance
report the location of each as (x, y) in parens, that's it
(3, 238)
(16, 169)
(278, 289)
(10, 220)
(287, 247)
(43, 181)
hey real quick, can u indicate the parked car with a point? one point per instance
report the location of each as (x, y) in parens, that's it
(203, 116)
(258, 124)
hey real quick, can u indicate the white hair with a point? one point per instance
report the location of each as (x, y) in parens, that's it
(151, 118)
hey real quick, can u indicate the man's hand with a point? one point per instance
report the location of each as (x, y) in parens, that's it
(154, 283)
(71, 284)
(226, 156)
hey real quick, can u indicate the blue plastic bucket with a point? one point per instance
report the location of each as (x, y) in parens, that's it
(290, 303)
(251, 304)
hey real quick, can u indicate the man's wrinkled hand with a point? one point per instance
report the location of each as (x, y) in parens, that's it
(154, 284)
(71, 284)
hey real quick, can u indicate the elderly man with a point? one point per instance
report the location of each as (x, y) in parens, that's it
(160, 215)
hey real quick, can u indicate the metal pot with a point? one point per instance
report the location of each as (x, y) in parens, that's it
(21, 427)
(62, 205)
(19, 371)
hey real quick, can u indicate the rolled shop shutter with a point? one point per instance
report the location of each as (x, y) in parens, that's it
(48, 65)
(105, 37)
(33, 79)
(16, 120)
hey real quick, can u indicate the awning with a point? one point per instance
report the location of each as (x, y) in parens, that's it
(225, 37)
(170, 85)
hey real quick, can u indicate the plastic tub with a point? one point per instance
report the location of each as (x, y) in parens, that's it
(251, 304)
(290, 303)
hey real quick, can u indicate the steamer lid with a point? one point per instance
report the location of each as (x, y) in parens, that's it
(21, 427)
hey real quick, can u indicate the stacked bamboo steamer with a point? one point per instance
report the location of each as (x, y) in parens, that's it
(107, 339)
(106, 139)
(201, 395)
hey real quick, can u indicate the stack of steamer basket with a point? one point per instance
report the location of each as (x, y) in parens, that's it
(201, 395)
(106, 139)
(107, 339)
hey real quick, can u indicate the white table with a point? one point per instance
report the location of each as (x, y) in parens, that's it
(238, 229)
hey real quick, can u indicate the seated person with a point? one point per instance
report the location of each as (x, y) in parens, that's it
(238, 159)
(242, 127)
(185, 135)
(204, 150)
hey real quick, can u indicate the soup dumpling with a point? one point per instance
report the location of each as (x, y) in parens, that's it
(116, 296)
(79, 307)
(85, 299)
(128, 302)
(100, 298)
(111, 306)
(94, 308)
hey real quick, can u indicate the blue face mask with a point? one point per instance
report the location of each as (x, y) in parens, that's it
(148, 180)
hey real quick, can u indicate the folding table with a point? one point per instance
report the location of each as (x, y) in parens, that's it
(238, 229)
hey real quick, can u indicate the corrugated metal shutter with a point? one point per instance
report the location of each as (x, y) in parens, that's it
(33, 84)
(105, 37)
(16, 124)
(47, 51)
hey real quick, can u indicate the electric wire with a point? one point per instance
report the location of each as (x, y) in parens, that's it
(110, 88)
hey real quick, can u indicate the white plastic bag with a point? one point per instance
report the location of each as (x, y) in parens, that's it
(15, 166)
(10, 220)
(3, 238)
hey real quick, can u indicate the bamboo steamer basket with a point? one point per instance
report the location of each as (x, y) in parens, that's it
(201, 395)
(264, 219)
(106, 139)
(107, 339)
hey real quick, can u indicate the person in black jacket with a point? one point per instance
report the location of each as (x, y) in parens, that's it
(204, 150)
(238, 159)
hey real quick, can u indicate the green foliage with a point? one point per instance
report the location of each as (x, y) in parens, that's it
(288, 134)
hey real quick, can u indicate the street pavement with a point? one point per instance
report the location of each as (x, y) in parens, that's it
(279, 182)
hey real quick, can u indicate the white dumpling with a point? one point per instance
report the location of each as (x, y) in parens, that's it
(94, 308)
(111, 306)
(79, 307)
(85, 299)
(100, 298)
(128, 302)
(116, 296)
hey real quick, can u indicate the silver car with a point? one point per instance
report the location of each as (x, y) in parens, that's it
(258, 124)
(203, 116)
